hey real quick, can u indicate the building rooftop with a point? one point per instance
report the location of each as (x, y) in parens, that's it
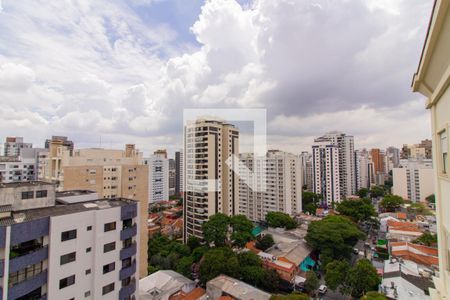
(63, 209)
(162, 284)
(26, 183)
(236, 288)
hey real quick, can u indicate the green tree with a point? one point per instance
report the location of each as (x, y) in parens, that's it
(377, 191)
(249, 259)
(431, 198)
(151, 269)
(336, 272)
(310, 201)
(215, 263)
(312, 282)
(271, 281)
(198, 253)
(419, 208)
(363, 193)
(265, 242)
(193, 242)
(242, 230)
(362, 278)
(391, 202)
(358, 210)
(253, 275)
(373, 296)
(215, 230)
(184, 266)
(279, 219)
(334, 237)
(427, 239)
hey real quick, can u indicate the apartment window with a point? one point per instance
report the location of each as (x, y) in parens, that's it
(67, 258)
(89, 228)
(68, 235)
(109, 268)
(443, 141)
(127, 243)
(87, 294)
(41, 194)
(68, 281)
(108, 288)
(88, 249)
(126, 262)
(110, 226)
(27, 195)
(87, 272)
(25, 274)
(109, 247)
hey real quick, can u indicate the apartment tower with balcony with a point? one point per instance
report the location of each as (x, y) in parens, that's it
(211, 187)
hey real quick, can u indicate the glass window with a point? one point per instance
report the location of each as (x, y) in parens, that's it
(68, 235)
(27, 195)
(108, 288)
(41, 194)
(109, 267)
(110, 226)
(68, 281)
(67, 258)
(444, 151)
(109, 247)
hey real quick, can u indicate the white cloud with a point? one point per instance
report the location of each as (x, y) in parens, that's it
(97, 68)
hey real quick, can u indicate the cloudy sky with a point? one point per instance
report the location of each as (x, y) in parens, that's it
(123, 71)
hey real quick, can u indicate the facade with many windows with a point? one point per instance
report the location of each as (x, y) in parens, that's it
(432, 79)
(74, 247)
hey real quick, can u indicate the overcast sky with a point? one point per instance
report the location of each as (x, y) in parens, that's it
(123, 71)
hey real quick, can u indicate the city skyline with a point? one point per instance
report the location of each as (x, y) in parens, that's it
(121, 73)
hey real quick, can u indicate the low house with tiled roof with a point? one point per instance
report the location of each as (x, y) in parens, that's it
(402, 231)
(419, 254)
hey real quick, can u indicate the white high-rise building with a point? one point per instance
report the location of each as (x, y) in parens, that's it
(179, 172)
(279, 176)
(13, 145)
(362, 169)
(413, 180)
(211, 187)
(345, 144)
(69, 246)
(158, 177)
(325, 164)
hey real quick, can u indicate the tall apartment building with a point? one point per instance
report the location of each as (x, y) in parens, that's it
(68, 246)
(179, 172)
(423, 150)
(432, 79)
(112, 174)
(211, 186)
(393, 155)
(158, 177)
(307, 171)
(279, 175)
(20, 168)
(172, 176)
(413, 180)
(51, 162)
(378, 158)
(362, 169)
(13, 144)
(326, 175)
(345, 145)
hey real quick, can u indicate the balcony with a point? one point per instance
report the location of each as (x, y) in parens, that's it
(2, 264)
(128, 232)
(25, 287)
(128, 271)
(127, 290)
(26, 258)
(128, 252)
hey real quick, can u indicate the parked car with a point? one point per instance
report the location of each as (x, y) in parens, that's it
(323, 289)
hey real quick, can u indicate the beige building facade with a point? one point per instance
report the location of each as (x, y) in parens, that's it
(211, 187)
(432, 79)
(413, 180)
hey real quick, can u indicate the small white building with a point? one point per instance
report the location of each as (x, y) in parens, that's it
(158, 178)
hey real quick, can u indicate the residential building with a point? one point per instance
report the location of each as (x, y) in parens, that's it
(362, 169)
(378, 158)
(427, 256)
(211, 186)
(158, 177)
(20, 168)
(167, 284)
(423, 150)
(279, 176)
(393, 155)
(233, 289)
(172, 176)
(13, 145)
(307, 170)
(112, 174)
(69, 245)
(432, 79)
(179, 173)
(325, 164)
(345, 145)
(60, 140)
(413, 180)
